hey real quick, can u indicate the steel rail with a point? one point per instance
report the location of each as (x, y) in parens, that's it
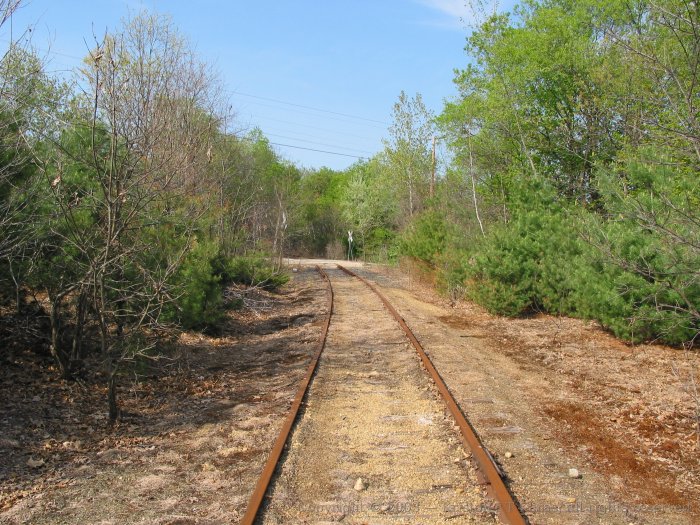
(258, 495)
(508, 510)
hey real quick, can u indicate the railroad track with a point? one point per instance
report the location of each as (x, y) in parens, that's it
(487, 473)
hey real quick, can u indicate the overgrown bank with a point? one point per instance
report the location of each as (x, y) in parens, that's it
(126, 204)
(565, 181)
(577, 129)
(571, 182)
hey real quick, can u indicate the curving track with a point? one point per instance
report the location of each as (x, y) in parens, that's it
(372, 442)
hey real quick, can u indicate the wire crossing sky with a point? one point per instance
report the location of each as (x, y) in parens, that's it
(319, 78)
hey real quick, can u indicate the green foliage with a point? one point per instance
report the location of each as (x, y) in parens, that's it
(204, 273)
(635, 307)
(526, 265)
(321, 193)
(426, 238)
(381, 245)
(552, 257)
(572, 186)
(408, 158)
(200, 303)
(251, 270)
(369, 209)
(650, 244)
(575, 121)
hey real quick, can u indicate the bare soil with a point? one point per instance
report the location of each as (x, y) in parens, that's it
(374, 444)
(546, 394)
(558, 393)
(196, 430)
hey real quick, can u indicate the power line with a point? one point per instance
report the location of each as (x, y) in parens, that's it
(310, 107)
(43, 49)
(346, 115)
(277, 101)
(365, 141)
(306, 112)
(264, 117)
(307, 149)
(317, 143)
(318, 150)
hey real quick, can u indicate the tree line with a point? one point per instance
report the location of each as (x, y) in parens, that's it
(579, 121)
(128, 200)
(571, 184)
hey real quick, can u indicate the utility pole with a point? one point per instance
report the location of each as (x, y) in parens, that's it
(432, 176)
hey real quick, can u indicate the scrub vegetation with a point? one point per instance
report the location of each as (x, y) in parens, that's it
(568, 184)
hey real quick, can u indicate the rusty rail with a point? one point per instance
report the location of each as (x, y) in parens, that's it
(496, 488)
(261, 487)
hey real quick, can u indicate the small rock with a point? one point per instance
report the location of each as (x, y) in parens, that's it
(360, 485)
(109, 454)
(459, 490)
(35, 463)
(571, 500)
(509, 455)
(574, 473)
(384, 508)
(457, 461)
(72, 445)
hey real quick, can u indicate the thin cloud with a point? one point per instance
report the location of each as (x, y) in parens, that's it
(456, 9)
(453, 14)
(458, 14)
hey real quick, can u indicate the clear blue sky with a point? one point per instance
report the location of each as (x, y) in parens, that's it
(342, 56)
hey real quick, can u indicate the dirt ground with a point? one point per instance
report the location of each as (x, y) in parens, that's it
(374, 444)
(546, 395)
(196, 430)
(549, 394)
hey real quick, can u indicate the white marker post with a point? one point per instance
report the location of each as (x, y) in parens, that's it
(349, 245)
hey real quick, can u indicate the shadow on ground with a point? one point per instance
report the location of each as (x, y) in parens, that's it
(206, 408)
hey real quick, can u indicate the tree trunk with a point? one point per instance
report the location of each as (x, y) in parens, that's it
(410, 194)
(112, 394)
(76, 350)
(56, 350)
(18, 300)
(18, 288)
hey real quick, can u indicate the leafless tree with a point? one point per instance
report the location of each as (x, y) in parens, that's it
(151, 121)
